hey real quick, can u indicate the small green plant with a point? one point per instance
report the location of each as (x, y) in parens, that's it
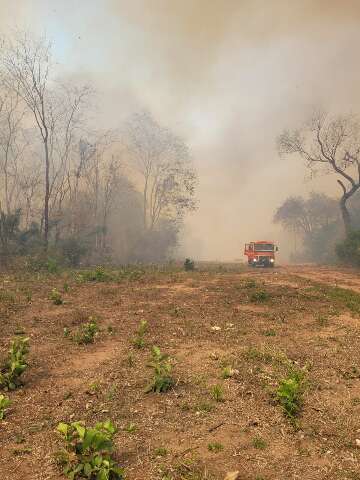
(66, 332)
(189, 265)
(15, 365)
(55, 296)
(66, 287)
(162, 379)
(289, 393)
(259, 296)
(131, 428)
(86, 333)
(204, 407)
(4, 404)
(215, 447)
(270, 333)
(217, 393)
(259, 443)
(227, 372)
(88, 451)
(160, 452)
(138, 340)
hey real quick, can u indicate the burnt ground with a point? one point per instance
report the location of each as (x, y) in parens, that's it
(304, 316)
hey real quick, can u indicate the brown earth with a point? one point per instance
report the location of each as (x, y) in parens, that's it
(303, 320)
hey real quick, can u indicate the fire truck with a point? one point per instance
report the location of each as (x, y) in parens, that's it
(261, 253)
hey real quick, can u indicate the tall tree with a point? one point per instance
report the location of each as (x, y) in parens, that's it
(26, 64)
(163, 162)
(333, 143)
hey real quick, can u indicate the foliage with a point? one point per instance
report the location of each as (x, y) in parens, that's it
(217, 393)
(189, 265)
(55, 296)
(73, 249)
(4, 404)
(289, 393)
(215, 447)
(259, 443)
(162, 379)
(348, 250)
(15, 365)
(227, 372)
(138, 341)
(259, 296)
(88, 452)
(86, 333)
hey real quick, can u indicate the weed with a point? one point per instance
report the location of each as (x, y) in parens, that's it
(66, 332)
(86, 333)
(217, 393)
(160, 452)
(227, 372)
(4, 404)
(88, 452)
(55, 296)
(289, 393)
(66, 287)
(259, 443)
(205, 407)
(162, 379)
(16, 364)
(259, 296)
(270, 333)
(131, 428)
(215, 447)
(138, 340)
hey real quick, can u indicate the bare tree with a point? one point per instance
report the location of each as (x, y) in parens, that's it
(334, 144)
(13, 144)
(162, 159)
(26, 64)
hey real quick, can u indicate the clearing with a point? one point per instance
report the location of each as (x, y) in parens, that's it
(253, 326)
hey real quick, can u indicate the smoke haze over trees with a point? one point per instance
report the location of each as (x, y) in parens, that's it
(65, 185)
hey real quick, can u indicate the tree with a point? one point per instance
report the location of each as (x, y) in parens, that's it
(333, 143)
(163, 161)
(26, 63)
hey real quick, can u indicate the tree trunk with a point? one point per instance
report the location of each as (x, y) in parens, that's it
(47, 195)
(345, 215)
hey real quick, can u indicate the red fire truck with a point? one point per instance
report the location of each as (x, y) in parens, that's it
(261, 253)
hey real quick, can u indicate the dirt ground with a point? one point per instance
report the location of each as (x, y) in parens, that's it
(304, 316)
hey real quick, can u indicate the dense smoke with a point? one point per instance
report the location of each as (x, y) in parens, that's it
(227, 77)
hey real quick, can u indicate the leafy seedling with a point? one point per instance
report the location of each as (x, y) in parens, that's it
(15, 365)
(88, 452)
(138, 340)
(4, 404)
(162, 380)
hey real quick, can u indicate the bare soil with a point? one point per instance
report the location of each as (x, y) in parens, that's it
(305, 319)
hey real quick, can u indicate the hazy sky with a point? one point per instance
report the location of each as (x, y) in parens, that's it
(227, 75)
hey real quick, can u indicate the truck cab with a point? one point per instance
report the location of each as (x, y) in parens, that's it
(261, 253)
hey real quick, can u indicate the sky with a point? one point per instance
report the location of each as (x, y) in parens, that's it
(227, 75)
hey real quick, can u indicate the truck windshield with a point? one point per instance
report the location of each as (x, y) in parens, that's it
(264, 247)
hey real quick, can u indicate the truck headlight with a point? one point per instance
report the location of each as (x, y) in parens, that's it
(254, 260)
(271, 260)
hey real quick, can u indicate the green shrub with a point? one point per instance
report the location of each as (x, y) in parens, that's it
(97, 275)
(162, 379)
(73, 250)
(88, 452)
(4, 404)
(189, 265)
(55, 296)
(15, 365)
(138, 340)
(86, 333)
(259, 296)
(289, 393)
(348, 250)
